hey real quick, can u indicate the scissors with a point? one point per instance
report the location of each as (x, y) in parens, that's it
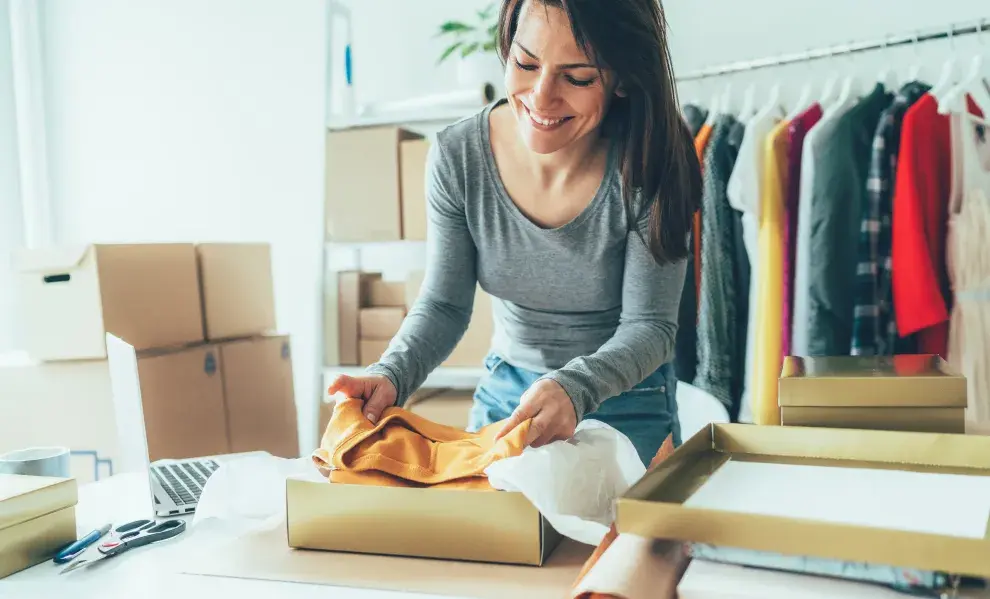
(128, 536)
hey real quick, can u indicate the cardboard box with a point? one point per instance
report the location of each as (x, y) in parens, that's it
(477, 339)
(884, 381)
(363, 195)
(258, 396)
(413, 155)
(372, 349)
(72, 296)
(380, 323)
(37, 518)
(386, 294)
(450, 407)
(435, 523)
(926, 420)
(66, 403)
(655, 506)
(181, 394)
(353, 289)
(238, 292)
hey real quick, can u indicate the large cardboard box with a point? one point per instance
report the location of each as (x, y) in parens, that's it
(66, 403)
(892, 513)
(496, 526)
(183, 402)
(363, 194)
(386, 294)
(238, 293)
(903, 392)
(37, 518)
(259, 397)
(380, 323)
(413, 155)
(71, 296)
(477, 339)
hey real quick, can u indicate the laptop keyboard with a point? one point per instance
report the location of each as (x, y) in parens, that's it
(184, 481)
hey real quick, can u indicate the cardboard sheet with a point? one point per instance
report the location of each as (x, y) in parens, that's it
(945, 504)
(635, 567)
(265, 555)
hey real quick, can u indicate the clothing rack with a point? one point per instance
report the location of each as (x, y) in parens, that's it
(949, 33)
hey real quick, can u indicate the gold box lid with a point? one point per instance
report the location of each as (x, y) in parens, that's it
(916, 380)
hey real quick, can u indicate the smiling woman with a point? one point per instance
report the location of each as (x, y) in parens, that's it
(570, 203)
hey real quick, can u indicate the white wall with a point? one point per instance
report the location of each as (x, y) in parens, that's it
(11, 222)
(185, 120)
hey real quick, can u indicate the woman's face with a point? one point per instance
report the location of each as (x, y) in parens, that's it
(556, 94)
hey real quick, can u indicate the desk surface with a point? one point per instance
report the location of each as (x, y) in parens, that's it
(121, 498)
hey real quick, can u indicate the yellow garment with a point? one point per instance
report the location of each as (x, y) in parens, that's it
(406, 450)
(770, 275)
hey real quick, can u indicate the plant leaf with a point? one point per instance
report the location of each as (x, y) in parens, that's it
(486, 14)
(454, 27)
(469, 49)
(450, 50)
(488, 47)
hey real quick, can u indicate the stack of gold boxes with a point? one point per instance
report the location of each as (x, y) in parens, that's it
(905, 392)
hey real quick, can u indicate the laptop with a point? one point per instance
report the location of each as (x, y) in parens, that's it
(174, 485)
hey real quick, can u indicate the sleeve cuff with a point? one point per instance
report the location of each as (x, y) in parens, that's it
(581, 398)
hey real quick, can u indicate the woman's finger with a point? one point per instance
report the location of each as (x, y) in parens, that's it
(380, 400)
(525, 411)
(348, 385)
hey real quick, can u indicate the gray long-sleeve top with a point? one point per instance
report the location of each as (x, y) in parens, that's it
(585, 303)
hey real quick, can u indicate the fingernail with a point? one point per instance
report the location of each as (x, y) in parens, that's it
(371, 417)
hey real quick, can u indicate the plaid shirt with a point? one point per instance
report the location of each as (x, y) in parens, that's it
(874, 328)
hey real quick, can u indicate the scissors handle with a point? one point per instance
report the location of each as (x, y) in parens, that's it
(138, 534)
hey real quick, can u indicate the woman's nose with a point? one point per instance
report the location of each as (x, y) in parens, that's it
(545, 90)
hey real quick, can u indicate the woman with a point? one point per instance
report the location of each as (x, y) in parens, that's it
(570, 202)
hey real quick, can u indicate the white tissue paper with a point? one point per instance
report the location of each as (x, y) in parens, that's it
(574, 483)
(249, 492)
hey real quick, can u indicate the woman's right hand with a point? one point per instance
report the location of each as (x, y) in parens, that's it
(377, 392)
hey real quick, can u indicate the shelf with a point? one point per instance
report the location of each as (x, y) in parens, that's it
(439, 115)
(445, 377)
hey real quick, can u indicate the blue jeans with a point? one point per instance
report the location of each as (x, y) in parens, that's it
(646, 414)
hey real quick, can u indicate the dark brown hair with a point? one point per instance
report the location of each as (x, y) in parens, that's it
(658, 159)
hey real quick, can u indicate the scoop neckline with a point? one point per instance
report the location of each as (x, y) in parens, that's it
(491, 168)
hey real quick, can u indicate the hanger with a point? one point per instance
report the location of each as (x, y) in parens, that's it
(887, 76)
(749, 103)
(915, 72)
(973, 85)
(713, 108)
(850, 87)
(725, 102)
(944, 83)
(803, 101)
(829, 89)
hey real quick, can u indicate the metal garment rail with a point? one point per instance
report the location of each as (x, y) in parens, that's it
(948, 33)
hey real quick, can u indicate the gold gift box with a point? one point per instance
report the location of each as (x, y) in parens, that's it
(917, 392)
(654, 506)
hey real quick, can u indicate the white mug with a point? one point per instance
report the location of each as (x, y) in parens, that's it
(37, 461)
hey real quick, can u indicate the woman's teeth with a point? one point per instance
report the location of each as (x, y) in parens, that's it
(546, 122)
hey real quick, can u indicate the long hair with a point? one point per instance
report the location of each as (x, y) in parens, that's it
(658, 159)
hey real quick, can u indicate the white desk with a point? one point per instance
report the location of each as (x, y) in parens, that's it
(149, 571)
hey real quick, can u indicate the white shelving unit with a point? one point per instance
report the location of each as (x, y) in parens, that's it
(445, 377)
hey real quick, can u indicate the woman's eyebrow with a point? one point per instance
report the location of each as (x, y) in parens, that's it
(572, 65)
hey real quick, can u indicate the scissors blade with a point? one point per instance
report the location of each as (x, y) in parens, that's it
(82, 562)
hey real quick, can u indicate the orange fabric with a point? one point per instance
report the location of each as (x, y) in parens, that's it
(666, 448)
(407, 450)
(700, 141)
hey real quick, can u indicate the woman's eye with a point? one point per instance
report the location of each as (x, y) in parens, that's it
(580, 82)
(525, 67)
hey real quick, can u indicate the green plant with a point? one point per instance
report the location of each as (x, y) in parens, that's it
(470, 38)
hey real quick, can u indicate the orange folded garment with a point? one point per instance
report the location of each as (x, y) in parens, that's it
(666, 448)
(406, 450)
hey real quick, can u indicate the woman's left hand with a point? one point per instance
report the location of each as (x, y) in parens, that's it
(550, 407)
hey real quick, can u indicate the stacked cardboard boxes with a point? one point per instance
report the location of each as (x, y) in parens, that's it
(375, 185)
(904, 392)
(215, 378)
